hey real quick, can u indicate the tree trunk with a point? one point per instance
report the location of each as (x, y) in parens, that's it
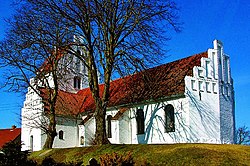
(51, 130)
(49, 141)
(51, 133)
(100, 133)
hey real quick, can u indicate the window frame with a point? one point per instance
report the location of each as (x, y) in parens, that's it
(77, 82)
(140, 121)
(109, 126)
(82, 140)
(169, 118)
(60, 134)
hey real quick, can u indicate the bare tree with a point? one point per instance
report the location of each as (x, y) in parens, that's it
(243, 136)
(32, 48)
(119, 37)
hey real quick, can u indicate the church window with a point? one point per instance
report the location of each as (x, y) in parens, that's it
(60, 134)
(169, 118)
(82, 140)
(109, 117)
(77, 82)
(140, 121)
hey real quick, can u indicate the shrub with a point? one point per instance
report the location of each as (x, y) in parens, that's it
(48, 161)
(12, 155)
(114, 159)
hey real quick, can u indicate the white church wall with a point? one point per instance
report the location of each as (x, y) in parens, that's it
(31, 120)
(227, 120)
(89, 131)
(81, 138)
(226, 95)
(212, 99)
(114, 127)
(202, 92)
(204, 115)
(125, 128)
(115, 132)
(155, 123)
(70, 132)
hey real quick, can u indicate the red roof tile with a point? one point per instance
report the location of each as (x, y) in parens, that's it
(7, 135)
(154, 83)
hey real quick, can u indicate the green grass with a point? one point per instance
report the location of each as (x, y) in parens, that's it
(172, 154)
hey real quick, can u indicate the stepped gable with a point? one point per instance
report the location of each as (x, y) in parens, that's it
(7, 135)
(167, 80)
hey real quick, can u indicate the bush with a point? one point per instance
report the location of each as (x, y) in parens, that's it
(48, 161)
(115, 159)
(12, 155)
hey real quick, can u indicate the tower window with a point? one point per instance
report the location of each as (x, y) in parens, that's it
(169, 118)
(140, 121)
(78, 52)
(77, 82)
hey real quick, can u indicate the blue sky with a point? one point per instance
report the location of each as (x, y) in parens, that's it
(204, 21)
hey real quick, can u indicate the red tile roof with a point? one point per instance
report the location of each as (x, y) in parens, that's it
(154, 83)
(7, 135)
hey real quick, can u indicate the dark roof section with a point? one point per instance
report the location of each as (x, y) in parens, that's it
(7, 135)
(119, 113)
(155, 83)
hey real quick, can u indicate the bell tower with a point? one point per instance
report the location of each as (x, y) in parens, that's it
(74, 74)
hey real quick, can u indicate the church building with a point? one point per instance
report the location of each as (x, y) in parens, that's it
(190, 100)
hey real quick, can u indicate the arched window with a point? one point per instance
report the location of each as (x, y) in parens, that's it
(109, 117)
(140, 121)
(169, 118)
(31, 143)
(82, 140)
(60, 134)
(77, 82)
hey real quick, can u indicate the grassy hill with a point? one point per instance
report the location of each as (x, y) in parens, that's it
(173, 154)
